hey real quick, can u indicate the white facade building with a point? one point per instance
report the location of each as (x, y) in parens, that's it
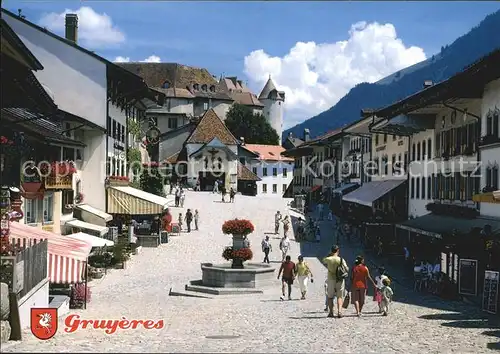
(275, 171)
(490, 145)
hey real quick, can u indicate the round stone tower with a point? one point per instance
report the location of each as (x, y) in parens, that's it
(273, 101)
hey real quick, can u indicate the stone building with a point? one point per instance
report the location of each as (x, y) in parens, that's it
(191, 91)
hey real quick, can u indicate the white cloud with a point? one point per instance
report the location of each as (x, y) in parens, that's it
(150, 59)
(121, 59)
(94, 30)
(316, 76)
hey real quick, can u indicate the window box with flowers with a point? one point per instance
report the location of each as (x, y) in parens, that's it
(58, 174)
(118, 180)
(240, 251)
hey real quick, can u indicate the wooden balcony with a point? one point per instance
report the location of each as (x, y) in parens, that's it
(59, 182)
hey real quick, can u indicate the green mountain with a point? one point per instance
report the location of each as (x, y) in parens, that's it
(452, 59)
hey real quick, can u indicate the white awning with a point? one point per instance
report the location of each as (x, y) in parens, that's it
(93, 240)
(102, 230)
(132, 201)
(94, 211)
(372, 191)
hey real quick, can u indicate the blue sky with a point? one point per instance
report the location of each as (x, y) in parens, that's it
(219, 36)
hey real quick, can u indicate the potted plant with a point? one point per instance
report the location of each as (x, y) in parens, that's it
(32, 181)
(237, 256)
(79, 198)
(240, 229)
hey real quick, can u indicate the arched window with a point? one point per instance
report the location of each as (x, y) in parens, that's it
(212, 88)
(413, 152)
(423, 150)
(166, 85)
(204, 88)
(196, 87)
(429, 148)
(418, 151)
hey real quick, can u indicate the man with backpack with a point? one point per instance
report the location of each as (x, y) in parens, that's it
(338, 272)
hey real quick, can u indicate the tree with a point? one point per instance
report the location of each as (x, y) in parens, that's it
(254, 127)
(151, 181)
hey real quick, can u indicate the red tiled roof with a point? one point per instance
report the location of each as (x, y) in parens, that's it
(210, 127)
(268, 152)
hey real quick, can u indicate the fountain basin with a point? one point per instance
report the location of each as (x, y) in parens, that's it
(254, 275)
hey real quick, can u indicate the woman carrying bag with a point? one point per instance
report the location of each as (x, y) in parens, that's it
(303, 273)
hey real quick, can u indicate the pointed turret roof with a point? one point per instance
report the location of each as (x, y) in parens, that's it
(267, 89)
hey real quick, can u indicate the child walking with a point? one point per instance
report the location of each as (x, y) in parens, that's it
(387, 295)
(180, 222)
(379, 285)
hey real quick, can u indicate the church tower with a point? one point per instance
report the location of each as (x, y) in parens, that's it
(273, 101)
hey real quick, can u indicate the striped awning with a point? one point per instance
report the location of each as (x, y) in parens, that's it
(78, 224)
(132, 201)
(67, 257)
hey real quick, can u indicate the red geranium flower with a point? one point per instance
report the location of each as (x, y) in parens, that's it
(237, 227)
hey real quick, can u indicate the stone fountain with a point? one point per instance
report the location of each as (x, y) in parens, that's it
(237, 277)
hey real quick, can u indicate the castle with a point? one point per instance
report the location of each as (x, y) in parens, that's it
(190, 92)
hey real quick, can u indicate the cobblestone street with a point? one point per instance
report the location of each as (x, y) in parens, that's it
(254, 323)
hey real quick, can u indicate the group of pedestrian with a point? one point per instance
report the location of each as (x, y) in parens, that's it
(180, 197)
(337, 298)
(189, 218)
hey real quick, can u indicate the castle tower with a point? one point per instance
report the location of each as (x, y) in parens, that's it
(273, 101)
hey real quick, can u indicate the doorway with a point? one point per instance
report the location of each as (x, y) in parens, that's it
(208, 178)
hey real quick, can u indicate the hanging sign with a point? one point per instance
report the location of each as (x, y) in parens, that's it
(467, 277)
(490, 291)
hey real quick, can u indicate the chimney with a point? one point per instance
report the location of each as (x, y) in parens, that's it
(72, 27)
(427, 83)
(242, 141)
(306, 135)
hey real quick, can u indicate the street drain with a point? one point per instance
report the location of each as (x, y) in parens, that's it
(223, 337)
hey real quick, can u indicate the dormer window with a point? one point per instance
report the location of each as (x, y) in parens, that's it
(196, 87)
(212, 88)
(166, 85)
(204, 88)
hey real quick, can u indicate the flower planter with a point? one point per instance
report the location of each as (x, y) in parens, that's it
(59, 182)
(31, 187)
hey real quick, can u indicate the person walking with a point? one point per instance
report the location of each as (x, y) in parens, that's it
(387, 295)
(182, 198)
(232, 193)
(171, 187)
(216, 187)
(180, 222)
(177, 197)
(379, 280)
(189, 219)
(286, 225)
(196, 219)
(288, 270)
(198, 185)
(266, 248)
(223, 192)
(360, 276)
(303, 274)
(277, 220)
(338, 271)
(284, 247)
